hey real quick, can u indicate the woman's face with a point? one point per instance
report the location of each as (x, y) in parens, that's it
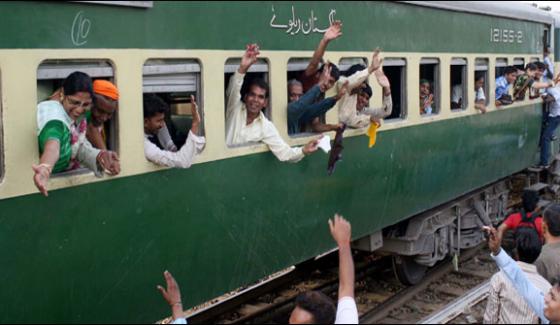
(76, 105)
(424, 89)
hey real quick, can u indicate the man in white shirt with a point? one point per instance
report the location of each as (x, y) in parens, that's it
(166, 154)
(353, 108)
(316, 308)
(245, 121)
(505, 305)
(545, 305)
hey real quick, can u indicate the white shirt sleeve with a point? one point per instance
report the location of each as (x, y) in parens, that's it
(165, 139)
(181, 159)
(383, 112)
(457, 93)
(480, 95)
(279, 148)
(346, 311)
(179, 321)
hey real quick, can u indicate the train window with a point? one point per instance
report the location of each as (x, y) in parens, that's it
(429, 102)
(50, 77)
(298, 85)
(501, 64)
(174, 81)
(395, 70)
(519, 63)
(533, 60)
(481, 80)
(458, 85)
(259, 70)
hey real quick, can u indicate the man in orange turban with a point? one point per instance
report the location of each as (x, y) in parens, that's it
(106, 103)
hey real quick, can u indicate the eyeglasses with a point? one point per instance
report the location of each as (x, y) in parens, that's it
(76, 103)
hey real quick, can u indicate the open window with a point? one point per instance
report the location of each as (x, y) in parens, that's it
(174, 81)
(50, 78)
(519, 63)
(258, 70)
(501, 65)
(481, 80)
(297, 86)
(429, 101)
(458, 79)
(395, 70)
(533, 60)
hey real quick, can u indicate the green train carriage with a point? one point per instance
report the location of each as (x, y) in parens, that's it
(95, 248)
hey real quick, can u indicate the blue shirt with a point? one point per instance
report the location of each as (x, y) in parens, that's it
(533, 296)
(502, 87)
(308, 107)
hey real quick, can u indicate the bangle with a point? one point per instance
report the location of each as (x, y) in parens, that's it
(177, 303)
(47, 166)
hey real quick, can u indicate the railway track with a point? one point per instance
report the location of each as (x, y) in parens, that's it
(379, 296)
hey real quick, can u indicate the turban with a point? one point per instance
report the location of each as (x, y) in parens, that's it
(106, 88)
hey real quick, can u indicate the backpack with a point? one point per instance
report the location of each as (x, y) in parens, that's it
(528, 221)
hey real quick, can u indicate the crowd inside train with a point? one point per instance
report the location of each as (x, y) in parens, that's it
(71, 134)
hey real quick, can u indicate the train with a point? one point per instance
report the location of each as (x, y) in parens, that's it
(95, 248)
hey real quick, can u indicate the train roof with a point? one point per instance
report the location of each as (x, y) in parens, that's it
(505, 9)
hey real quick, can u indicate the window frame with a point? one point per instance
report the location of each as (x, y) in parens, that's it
(175, 76)
(231, 65)
(58, 69)
(2, 151)
(403, 64)
(464, 63)
(483, 64)
(436, 83)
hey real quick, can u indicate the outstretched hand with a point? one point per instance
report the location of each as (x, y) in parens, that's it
(334, 31)
(494, 240)
(172, 294)
(41, 178)
(249, 58)
(195, 115)
(109, 161)
(312, 146)
(341, 230)
(376, 61)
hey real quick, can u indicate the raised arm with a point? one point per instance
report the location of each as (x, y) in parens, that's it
(532, 296)
(236, 82)
(334, 31)
(173, 297)
(341, 232)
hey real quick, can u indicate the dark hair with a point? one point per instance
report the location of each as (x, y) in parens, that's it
(540, 65)
(510, 69)
(367, 89)
(555, 282)
(530, 66)
(153, 105)
(259, 83)
(353, 69)
(530, 200)
(527, 244)
(319, 305)
(335, 72)
(552, 218)
(78, 82)
(479, 75)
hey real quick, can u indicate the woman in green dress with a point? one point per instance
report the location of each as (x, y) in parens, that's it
(62, 133)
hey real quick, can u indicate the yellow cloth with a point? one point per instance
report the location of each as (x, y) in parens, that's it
(372, 133)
